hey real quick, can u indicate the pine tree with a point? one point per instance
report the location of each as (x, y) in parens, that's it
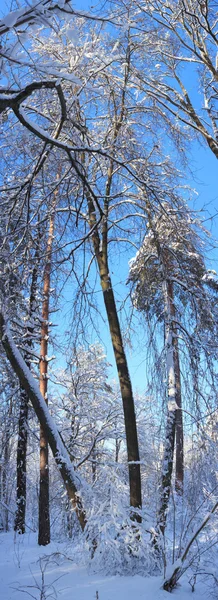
(168, 275)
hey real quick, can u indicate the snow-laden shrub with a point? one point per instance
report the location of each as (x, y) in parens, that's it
(118, 544)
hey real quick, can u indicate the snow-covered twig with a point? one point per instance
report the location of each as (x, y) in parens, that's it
(178, 568)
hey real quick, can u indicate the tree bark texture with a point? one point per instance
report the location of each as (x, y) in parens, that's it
(19, 523)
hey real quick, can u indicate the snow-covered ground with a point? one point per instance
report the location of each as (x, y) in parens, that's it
(23, 565)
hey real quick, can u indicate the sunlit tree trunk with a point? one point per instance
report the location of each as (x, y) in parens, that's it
(44, 515)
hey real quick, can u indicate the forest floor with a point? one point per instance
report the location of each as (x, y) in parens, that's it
(23, 565)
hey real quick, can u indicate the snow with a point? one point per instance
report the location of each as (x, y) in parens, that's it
(210, 275)
(10, 19)
(170, 570)
(171, 404)
(65, 579)
(6, 96)
(72, 35)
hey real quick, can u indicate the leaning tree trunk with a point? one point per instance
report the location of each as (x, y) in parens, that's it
(126, 390)
(99, 232)
(44, 515)
(120, 357)
(71, 479)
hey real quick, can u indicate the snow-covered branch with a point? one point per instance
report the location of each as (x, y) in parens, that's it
(72, 481)
(41, 13)
(178, 569)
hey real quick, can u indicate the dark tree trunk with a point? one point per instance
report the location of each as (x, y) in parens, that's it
(44, 515)
(6, 453)
(126, 393)
(167, 470)
(19, 523)
(99, 231)
(119, 353)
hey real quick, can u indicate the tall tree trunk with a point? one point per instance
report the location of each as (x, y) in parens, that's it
(179, 470)
(126, 391)
(120, 356)
(100, 245)
(44, 515)
(5, 466)
(174, 395)
(19, 523)
(174, 425)
(71, 479)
